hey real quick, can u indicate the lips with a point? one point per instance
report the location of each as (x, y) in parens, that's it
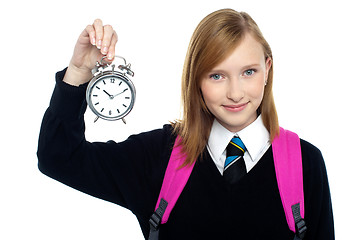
(235, 107)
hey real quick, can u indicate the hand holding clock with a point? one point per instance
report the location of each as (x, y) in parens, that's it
(92, 60)
(96, 40)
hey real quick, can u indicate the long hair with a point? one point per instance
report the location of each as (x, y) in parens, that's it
(215, 38)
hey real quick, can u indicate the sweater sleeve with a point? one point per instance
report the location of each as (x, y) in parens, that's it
(128, 173)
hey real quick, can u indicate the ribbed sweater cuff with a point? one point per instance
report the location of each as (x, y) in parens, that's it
(67, 101)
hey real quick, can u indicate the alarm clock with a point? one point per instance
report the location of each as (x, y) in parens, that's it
(110, 93)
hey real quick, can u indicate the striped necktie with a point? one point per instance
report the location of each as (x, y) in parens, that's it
(234, 166)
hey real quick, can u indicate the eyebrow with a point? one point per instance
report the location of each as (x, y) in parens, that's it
(242, 67)
(251, 66)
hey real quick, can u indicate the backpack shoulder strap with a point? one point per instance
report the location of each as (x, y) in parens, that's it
(288, 166)
(175, 179)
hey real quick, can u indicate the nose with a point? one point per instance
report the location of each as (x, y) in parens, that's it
(235, 91)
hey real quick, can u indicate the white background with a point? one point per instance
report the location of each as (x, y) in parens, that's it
(316, 47)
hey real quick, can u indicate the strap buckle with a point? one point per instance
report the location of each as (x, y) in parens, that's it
(301, 228)
(156, 219)
(299, 221)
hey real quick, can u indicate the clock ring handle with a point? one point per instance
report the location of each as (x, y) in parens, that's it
(124, 68)
(102, 63)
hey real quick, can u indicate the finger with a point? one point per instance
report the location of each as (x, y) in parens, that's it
(91, 34)
(111, 51)
(107, 38)
(98, 27)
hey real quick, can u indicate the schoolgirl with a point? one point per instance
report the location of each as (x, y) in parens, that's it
(227, 97)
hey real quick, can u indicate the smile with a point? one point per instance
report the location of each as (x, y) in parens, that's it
(235, 108)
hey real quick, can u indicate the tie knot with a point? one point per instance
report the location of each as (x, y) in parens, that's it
(236, 147)
(234, 166)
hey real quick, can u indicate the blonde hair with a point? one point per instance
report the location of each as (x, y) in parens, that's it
(215, 37)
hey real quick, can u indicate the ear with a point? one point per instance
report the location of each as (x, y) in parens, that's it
(268, 67)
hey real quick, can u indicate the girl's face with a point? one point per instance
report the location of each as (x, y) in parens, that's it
(233, 90)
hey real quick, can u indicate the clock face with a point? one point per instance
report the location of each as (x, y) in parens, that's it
(111, 97)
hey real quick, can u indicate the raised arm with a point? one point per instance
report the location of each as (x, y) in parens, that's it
(99, 169)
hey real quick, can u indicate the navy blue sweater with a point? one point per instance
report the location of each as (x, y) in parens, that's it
(130, 174)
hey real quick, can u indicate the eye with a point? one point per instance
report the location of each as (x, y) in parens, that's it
(215, 76)
(249, 72)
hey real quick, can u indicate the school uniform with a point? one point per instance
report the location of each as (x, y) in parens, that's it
(130, 174)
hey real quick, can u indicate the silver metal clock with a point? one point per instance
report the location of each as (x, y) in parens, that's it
(110, 93)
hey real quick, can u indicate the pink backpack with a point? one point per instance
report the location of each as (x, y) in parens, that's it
(288, 166)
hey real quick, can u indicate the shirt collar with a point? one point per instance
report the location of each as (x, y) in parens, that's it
(255, 137)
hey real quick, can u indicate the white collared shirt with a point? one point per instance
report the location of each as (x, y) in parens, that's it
(255, 137)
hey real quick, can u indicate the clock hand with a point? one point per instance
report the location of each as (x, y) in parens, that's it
(110, 96)
(120, 92)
